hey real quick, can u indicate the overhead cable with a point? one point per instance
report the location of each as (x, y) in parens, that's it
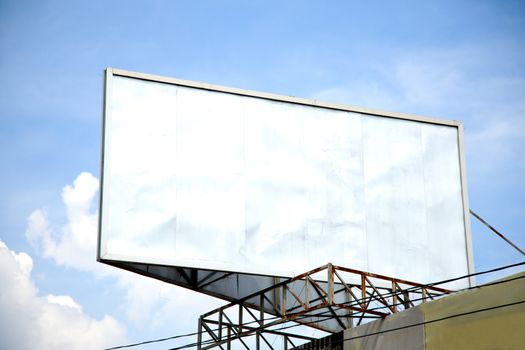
(386, 330)
(435, 320)
(354, 301)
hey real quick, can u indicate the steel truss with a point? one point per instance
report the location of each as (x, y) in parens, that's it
(330, 298)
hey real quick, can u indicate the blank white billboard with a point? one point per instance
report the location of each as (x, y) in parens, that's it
(204, 179)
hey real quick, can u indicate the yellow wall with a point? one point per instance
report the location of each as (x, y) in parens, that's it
(502, 328)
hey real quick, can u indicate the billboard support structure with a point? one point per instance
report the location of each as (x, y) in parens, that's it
(329, 298)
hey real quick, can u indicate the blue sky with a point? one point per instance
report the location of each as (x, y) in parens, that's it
(462, 60)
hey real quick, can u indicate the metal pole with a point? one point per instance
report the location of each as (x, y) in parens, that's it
(496, 232)
(199, 334)
(330, 284)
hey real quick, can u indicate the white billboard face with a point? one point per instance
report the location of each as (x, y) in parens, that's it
(217, 179)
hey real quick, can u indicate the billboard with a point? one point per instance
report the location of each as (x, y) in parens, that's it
(225, 190)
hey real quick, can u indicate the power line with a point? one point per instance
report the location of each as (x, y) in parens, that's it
(411, 325)
(436, 320)
(391, 294)
(320, 315)
(497, 232)
(327, 315)
(386, 330)
(475, 274)
(356, 302)
(176, 337)
(425, 322)
(387, 295)
(153, 341)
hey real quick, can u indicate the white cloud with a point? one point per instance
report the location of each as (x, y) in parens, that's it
(29, 321)
(75, 246)
(147, 303)
(38, 232)
(151, 304)
(64, 300)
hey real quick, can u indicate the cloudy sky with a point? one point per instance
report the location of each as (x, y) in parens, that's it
(462, 60)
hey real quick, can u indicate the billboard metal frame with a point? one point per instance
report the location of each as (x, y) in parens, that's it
(186, 274)
(305, 300)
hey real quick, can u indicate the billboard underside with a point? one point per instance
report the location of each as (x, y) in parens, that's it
(221, 190)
